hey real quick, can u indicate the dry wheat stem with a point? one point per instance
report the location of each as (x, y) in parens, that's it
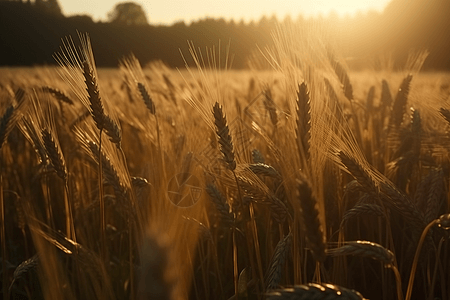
(310, 220)
(314, 291)
(416, 258)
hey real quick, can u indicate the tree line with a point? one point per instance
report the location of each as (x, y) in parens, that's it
(30, 32)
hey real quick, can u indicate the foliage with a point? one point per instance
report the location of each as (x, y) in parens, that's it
(366, 38)
(128, 13)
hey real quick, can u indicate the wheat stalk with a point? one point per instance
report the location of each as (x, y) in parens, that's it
(401, 99)
(364, 249)
(220, 203)
(386, 97)
(95, 102)
(223, 134)
(257, 157)
(59, 95)
(147, 99)
(54, 153)
(358, 172)
(27, 272)
(363, 209)
(102, 121)
(112, 175)
(277, 262)
(278, 209)
(313, 291)
(264, 170)
(435, 195)
(343, 78)
(269, 105)
(11, 116)
(303, 120)
(310, 220)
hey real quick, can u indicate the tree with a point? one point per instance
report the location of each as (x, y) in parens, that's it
(49, 6)
(128, 13)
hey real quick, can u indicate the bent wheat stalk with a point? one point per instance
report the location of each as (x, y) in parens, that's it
(313, 291)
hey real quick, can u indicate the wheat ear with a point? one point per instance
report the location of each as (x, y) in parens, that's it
(358, 172)
(401, 99)
(95, 102)
(54, 154)
(257, 157)
(343, 78)
(11, 116)
(59, 95)
(303, 120)
(386, 97)
(269, 105)
(310, 220)
(220, 202)
(363, 209)
(364, 249)
(264, 170)
(276, 265)
(147, 99)
(223, 133)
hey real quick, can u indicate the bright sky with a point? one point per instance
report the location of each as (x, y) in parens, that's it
(169, 11)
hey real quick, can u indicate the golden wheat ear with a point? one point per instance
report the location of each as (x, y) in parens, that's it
(342, 75)
(400, 102)
(303, 120)
(79, 71)
(54, 153)
(11, 116)
(58, 94)
(224, 136)
(147, 99)
(221, 204)
(136, 81)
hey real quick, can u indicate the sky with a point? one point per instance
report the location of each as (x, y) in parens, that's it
(169, 11)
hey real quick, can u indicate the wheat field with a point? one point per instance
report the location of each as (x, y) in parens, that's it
(301, 181)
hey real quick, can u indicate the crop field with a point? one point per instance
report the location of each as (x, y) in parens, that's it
(301, 181)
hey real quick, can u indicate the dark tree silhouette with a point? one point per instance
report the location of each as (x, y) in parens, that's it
(30, 32)
(128, 13)
(49, 6)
